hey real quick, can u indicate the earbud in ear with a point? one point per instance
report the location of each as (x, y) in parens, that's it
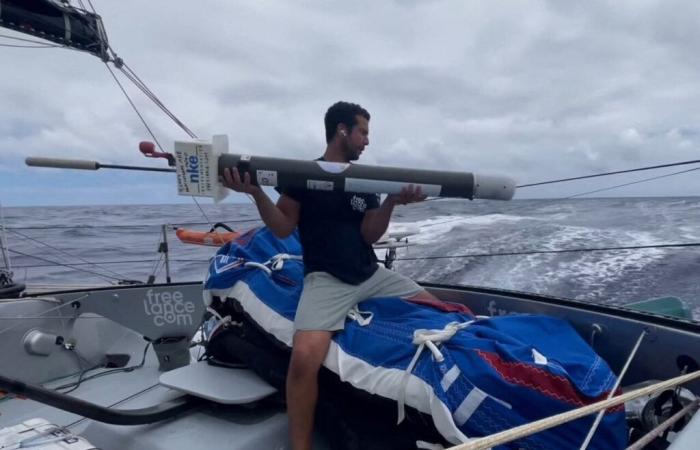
(343, 132)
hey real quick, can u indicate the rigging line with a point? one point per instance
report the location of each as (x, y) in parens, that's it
(142, 86)
(34, 41)
(588, 192)
(160, 255)
(62, 305)
(136, 80)
(132, 261)
(92, 7)
(29, 46)
(148, 94)
(544, 252)
(89, 227)
(134, 107)
(49, 317)
(634, 182)
(68, 254)
(155, 270)
(203, 213)
(3, 242)
(158, 270)
(660, 166)
(106, 277)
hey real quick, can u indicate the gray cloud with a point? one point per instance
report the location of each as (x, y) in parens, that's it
(537, 90)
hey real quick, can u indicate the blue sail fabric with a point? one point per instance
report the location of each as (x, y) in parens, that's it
(476, 376)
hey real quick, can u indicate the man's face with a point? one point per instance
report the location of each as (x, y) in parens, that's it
(354, 143)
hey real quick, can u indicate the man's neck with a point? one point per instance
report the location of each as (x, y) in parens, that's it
(334, 154)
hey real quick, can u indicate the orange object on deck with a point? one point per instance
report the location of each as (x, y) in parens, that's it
(213, 238)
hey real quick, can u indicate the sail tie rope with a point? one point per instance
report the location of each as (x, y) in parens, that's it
(426, 338)
(363, 318)
(210, 330)
(275, 263)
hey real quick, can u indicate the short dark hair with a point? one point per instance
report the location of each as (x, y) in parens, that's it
(345, 113)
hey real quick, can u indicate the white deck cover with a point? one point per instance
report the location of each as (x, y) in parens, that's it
(218, 384)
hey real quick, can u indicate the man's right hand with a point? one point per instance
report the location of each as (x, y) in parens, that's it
(232, 180)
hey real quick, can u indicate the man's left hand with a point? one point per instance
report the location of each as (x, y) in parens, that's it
(408, 194)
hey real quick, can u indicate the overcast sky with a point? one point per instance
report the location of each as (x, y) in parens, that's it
(531, 89)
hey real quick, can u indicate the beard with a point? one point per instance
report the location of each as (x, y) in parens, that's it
(351, 154)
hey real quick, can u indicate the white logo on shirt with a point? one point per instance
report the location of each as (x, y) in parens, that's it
(358, 203)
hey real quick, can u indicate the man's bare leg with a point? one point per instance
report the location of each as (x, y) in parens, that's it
(308, 352)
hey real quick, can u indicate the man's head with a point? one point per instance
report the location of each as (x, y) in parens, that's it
(347, 125)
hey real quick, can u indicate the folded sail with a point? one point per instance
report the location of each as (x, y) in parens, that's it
(473, 377)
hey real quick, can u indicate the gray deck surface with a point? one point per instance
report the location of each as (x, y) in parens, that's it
(258, 427)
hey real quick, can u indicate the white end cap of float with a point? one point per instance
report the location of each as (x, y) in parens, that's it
(197, 167)
(62, 163)
(493, 187)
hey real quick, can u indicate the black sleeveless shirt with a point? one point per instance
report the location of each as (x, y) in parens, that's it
(329, 228)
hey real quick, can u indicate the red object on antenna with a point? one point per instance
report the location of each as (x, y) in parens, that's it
(149, 150)
(147, 147)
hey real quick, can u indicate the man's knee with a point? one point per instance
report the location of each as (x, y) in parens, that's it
(308, 352)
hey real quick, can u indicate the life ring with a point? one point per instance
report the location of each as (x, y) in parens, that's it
(212, 237)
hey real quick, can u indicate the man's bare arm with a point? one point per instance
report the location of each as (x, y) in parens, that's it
(280, 218)
(376, 221)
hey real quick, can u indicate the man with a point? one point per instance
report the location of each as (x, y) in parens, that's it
(337, 231)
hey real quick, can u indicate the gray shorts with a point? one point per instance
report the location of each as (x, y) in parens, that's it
(325, 300)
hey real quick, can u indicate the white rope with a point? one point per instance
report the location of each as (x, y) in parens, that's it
(359, 316)
(550, 422)
(275, 263)
(257, 265)
(220, 321)
(599, 417)
(426, 338)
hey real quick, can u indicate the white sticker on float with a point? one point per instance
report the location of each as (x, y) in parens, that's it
(266, 177)
(387, 187)
(194, 162)
(332, 167)
(319, 185)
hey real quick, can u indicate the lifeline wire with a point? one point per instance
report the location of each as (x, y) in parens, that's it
(561, 180)
(68, 254)
(65, 265)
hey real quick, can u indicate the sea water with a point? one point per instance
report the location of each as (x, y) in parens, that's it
(455, 244)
